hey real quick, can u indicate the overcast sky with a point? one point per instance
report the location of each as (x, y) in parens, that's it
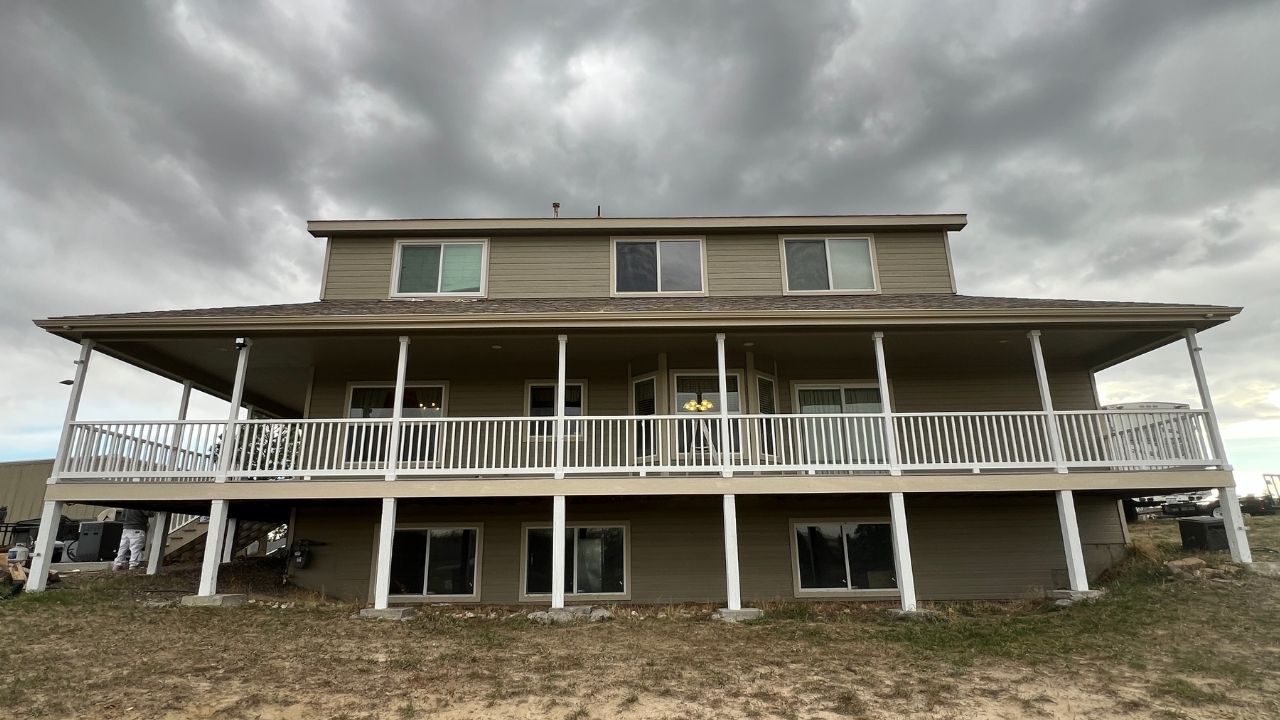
(158, 155)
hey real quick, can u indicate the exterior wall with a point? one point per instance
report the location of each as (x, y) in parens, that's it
(22, 486)
(549, 266)
(964, 546)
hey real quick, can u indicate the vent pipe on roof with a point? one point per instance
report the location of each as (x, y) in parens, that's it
(555, 209)
(597, 211)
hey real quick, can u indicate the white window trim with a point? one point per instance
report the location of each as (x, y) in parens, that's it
(354, 385)
(484, 266)
(477, 570)
(613, 266)
(871, 248)
(569, 596)
(575, 429)
(676, 374)
(841, 385)
(834, 592)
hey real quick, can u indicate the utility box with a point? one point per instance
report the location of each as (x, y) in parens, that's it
(98, 541)
(1203, 533)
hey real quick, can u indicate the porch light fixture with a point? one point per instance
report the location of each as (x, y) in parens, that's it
(496, 347)
(748, 344)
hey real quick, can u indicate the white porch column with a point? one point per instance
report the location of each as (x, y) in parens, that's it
(557, 552)
(732, 580)
(382, 571)
(227, 450)
(1228, 500)
(1046, 403)
(42, 553)
(51, 514)
(229, 541)
(902, 551)
(726, 470)
(397, 411)
(157, 537)
(561, 389)
(1076, 573)
(214, 536)
(886, 406)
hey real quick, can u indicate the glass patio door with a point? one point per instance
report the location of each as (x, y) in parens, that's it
(844, 439)
(698, 401)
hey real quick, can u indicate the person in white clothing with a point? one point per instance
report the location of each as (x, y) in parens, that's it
(133, 540)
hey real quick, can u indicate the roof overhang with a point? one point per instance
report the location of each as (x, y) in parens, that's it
(633, 225)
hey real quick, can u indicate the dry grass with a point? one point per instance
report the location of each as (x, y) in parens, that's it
(1155, 647)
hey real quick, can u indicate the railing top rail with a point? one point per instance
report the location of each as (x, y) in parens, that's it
(984, 413)
(1135, 411)
(114, 423)
(316, 421)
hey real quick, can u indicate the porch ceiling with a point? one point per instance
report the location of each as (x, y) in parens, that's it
(280, 367)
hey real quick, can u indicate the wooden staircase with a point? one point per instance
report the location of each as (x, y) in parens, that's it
(186, 541)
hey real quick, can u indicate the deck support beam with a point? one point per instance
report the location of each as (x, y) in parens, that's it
(382, 571)
(157, 538)
(229, 540)
(558, 527)
(1070, 527)
(733, 582)
(215, 536)
(886, 406)
(902, 551)
(1046, 403)
(1228, 499)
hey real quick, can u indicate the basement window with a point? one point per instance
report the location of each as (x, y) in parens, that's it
(843, 556)
(595, 560)
(437, 562)
(830, 264)
(440, 267)
(666, 266)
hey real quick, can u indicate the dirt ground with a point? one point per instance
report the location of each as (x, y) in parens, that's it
(112, 646)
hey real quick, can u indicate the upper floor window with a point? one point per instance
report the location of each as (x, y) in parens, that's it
(658, 266)
(439, 267)
(830, 264)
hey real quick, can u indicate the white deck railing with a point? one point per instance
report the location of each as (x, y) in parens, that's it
(265, 450)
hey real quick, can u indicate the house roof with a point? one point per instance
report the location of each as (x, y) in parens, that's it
(775, 310)
(597, 225)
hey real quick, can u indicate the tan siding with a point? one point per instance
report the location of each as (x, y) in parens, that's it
(358, 268)
(549, 267)
(22, 486)
(913, 263)
(744, 265)
(965, 546)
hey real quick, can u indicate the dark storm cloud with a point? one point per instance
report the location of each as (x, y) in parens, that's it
(167, 155)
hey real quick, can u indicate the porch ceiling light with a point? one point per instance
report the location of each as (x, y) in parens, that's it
(496, 347)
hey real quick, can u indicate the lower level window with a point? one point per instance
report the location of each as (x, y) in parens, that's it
(434, 561)
(595, 561)
(844, 556)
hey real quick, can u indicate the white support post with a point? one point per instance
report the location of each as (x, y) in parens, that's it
(73, 407)
(397, 411)
(726, 469)
(227, 450)
(42, 553)
(563, 342)
(733, 581)
(902, 551)
(157, 537)
(229, 542)
(557, 552)
(1076, 573)
(1046, 403)
(1228, 499)
(886, 407)
(215, 534)
(382, 572)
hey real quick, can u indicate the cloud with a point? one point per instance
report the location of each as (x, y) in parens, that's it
(159, 155)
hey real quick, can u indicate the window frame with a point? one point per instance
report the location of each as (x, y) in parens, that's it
(573, 429)
(841, 385)
(673, 391)
(819, 593)
(871, 249)
(478, 569)
(400, 243)
(366, 384)
(613, 265)
(525, 527)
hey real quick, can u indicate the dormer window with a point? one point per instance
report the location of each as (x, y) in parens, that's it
(837, 265)
(425, 268)
(667, 266)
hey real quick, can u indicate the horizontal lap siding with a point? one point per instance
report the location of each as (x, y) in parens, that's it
(964, 546)
(22, 486)
(913, 263)
(743, 265)
(538, 267)
(358, 268)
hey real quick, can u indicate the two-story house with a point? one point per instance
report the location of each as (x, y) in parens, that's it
(727, 409)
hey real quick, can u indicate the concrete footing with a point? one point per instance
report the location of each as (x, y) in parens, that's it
(69, 567)
(1270, 569)
(395, 613)
(1070, 597)
(733, 616)
(214, 600)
